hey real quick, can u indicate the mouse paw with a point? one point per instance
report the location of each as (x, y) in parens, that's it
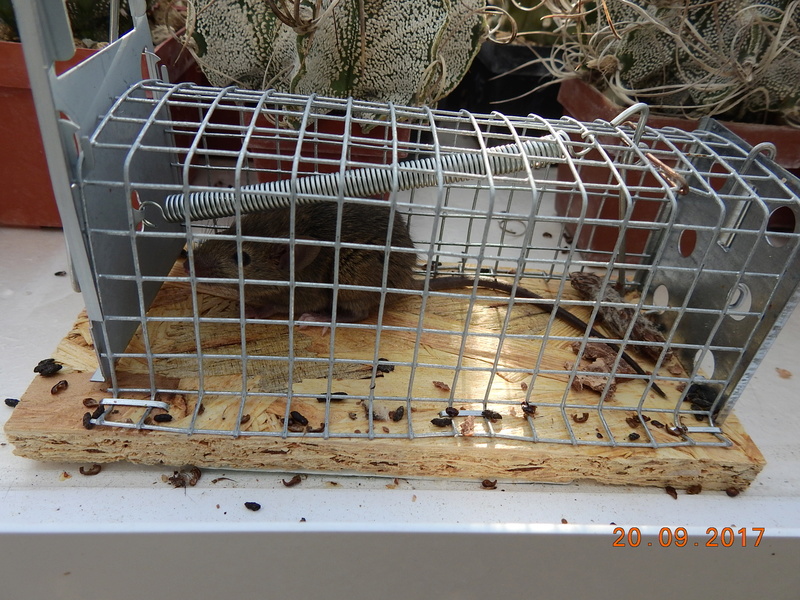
(313, 318)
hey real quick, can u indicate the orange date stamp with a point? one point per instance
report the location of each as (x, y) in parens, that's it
(725, 537)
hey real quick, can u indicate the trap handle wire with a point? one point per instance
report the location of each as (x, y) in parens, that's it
(360, 183)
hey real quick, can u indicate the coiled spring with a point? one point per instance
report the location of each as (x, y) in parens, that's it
(362, 182)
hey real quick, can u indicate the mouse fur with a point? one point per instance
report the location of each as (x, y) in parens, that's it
(313, 263)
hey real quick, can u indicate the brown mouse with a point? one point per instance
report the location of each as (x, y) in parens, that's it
(313, 263)
(365, 224)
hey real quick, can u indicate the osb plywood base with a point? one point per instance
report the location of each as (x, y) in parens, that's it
(49, 427)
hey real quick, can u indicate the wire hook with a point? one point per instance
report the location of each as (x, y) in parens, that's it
(143, 205)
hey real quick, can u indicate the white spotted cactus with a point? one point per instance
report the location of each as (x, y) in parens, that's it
(404, 51)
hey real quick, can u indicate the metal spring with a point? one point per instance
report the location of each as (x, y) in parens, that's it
(361, 183)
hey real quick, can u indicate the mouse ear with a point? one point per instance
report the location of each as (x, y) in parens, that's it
(304, 255)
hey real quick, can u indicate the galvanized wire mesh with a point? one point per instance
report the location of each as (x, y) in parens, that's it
(698, 233)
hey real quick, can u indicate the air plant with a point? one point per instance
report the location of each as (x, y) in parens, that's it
(520, 21)
(733, 59)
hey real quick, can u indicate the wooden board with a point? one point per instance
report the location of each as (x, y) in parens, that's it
(47, 426)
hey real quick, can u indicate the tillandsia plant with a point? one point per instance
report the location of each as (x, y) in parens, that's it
(732, 59)
(404, 51)
(520, 21)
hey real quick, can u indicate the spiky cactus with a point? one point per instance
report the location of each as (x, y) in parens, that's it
(89, 20)
(405, 51)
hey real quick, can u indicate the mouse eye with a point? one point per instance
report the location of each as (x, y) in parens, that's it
(245, 258)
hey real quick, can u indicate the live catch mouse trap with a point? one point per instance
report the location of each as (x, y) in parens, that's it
(674, 255)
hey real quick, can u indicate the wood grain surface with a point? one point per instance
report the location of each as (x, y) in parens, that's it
(252, 429)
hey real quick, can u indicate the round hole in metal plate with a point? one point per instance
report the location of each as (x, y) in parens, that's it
(718, 176)
(136, 205)
(661, 297)
(740, 300)
(687, 242)
(707, 364)
(781, 221)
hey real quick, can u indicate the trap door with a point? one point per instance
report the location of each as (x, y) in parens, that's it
(101, 222)
(729, 265)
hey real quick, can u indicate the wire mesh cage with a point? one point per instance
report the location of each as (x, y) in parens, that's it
(300, 306)
(280, 266)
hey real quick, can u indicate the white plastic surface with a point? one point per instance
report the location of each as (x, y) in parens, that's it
(352, 537)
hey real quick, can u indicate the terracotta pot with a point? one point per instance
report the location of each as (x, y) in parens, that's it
(370, 147)
(179, 62)
(585, 103)
(26, 197)
(322, 149)
(182, 67)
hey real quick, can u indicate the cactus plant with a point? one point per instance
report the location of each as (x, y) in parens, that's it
(88, 18)
(733, 59)
(404, 51)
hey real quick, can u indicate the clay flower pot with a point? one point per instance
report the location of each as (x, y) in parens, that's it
(322, 149)
(27, 196)
(586, 103)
